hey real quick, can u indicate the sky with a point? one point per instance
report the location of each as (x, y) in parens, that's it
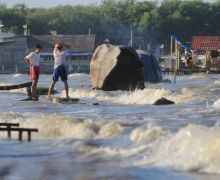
(52, 3)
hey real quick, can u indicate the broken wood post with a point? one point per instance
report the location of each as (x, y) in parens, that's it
(20, 135)
(29, 136)
(9, 133)
(28, 130)
(8, 126)
(20, 132)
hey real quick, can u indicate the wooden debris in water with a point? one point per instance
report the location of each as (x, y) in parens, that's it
(18, 86)
(65, 100)
(9, 127)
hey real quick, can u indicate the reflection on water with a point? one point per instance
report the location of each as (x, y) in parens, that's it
(125, 137)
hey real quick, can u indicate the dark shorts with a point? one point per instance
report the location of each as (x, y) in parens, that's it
(60, 71)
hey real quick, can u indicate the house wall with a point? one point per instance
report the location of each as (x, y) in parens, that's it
(14, 49)
(12, 53)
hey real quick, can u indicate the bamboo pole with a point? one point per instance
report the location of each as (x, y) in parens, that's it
(171, 46)
(176, 65)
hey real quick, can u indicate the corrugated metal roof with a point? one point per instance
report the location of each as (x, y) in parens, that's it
(77, 43)
(206, 43)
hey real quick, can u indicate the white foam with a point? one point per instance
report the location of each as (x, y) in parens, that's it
(5, 84)
(53, 126)
(198, 76)
(56, 126)
(146, 96)
(111, 130)
(217, 104)
(217, 82)
(141, 135)
(18, 75)
(192, 148)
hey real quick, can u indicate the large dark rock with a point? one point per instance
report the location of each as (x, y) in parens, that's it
(116, 68)
(163, 101)
(152, 70)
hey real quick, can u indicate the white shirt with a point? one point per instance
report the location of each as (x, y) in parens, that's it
(59, 57)
(34, 58)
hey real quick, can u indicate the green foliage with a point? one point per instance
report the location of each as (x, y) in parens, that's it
(114, 18)
(44, 91)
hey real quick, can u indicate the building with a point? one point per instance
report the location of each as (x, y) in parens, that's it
(206, 43)
(14, 48)
(209, 48)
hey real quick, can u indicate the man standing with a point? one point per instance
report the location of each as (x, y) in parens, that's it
(33, 59)
(59, 67)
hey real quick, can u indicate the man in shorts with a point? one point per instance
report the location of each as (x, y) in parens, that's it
(33, 59)
(59, 67)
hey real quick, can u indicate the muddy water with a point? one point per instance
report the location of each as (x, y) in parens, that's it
(125, 137)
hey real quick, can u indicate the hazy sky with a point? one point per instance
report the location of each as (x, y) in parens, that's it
(50, 3)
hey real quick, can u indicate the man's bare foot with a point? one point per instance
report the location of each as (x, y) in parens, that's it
(35, 98)
(49, 97)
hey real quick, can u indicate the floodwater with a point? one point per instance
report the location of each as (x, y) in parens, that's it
(125, 137)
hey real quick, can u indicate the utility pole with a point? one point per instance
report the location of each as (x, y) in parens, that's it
(131, 41)
(25, 26)
(1, 25)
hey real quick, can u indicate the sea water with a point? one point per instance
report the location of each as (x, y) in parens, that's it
(124, 137)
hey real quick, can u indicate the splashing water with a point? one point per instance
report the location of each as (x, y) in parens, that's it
(125, 133)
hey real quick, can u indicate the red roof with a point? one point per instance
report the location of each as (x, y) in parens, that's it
(206, 43)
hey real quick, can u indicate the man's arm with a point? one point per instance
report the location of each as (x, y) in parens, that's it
(55, 49)
(27, 58)
(27, 61)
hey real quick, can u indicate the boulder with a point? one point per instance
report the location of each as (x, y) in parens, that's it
(163, 101)
(152, 70)
(116, 68)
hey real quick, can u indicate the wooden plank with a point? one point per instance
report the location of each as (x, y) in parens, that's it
(64, 100)
(9, 124)
(18, 86)
(19, 129)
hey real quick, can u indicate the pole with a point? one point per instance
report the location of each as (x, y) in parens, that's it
(131, 37)
(206, 59)
(1, 25)
(171, 46)
(176, 65)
